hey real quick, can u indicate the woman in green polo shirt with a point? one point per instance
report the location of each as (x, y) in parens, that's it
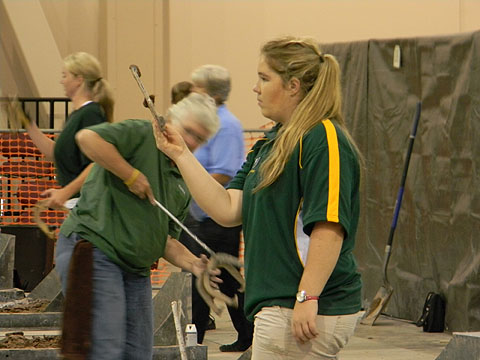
(92, 102)
(297, 196)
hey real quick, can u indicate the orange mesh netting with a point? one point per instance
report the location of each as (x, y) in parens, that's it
(160, 273)
(24, 175)
(251, 136)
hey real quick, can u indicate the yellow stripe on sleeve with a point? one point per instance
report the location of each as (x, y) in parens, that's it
(300, 154)
(333, 172)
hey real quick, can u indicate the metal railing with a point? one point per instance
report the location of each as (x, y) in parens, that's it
(33, 103)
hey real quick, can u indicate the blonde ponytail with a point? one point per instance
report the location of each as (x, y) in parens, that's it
(87, 66)
(320, 78)
(103, 94)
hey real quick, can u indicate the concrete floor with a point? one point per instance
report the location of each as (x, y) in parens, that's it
(389, 338)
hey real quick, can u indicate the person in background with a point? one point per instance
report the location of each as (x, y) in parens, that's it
(222, 156)
(180, 90)
(177, 93)
(297, 197)
(116, 221)
(93, 104)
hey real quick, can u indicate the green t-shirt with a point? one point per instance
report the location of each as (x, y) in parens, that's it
(320, 182)
(69, 160)
(130, 231)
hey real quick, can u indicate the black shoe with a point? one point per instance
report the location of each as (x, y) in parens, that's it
(211, 324)
(235, 347)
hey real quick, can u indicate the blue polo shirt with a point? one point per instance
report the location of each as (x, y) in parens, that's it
(222, 154)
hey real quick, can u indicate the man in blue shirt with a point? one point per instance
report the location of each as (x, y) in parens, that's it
(221, 156)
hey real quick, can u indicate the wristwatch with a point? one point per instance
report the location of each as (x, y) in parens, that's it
(302, 296)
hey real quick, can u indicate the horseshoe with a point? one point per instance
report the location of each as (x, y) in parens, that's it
(15, 114)
(205, 289)
(148, 98)
(37, 210)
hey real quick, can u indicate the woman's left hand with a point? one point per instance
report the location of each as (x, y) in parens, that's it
(304, 321)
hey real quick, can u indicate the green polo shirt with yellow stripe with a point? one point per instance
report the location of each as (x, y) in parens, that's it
(320, 183)
(130, 231)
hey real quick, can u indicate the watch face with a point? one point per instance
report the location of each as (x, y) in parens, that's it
(301, 296)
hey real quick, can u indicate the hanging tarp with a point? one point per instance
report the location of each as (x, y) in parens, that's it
(437, 240)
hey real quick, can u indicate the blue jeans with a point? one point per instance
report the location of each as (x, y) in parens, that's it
(122, 311)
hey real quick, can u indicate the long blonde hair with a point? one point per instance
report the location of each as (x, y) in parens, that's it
(87, 66)
(319, 76)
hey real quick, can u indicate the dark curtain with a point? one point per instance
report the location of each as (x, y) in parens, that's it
(436, 243)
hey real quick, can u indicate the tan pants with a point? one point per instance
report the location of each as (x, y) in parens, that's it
(273, 339)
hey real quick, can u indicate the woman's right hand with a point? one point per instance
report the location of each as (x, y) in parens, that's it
(169, 141)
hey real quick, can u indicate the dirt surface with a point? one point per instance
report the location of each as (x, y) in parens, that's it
(24, 305)
(16, 340)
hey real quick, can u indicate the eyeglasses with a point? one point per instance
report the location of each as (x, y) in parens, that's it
(195, 135)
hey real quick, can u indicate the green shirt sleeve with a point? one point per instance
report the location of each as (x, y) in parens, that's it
(327, 181)
(127, 136)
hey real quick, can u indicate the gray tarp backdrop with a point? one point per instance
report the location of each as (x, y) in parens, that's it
(437, 238)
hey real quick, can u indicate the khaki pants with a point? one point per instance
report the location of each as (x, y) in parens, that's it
(273, 338)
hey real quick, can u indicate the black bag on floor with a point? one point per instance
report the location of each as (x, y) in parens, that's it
(433, 315)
